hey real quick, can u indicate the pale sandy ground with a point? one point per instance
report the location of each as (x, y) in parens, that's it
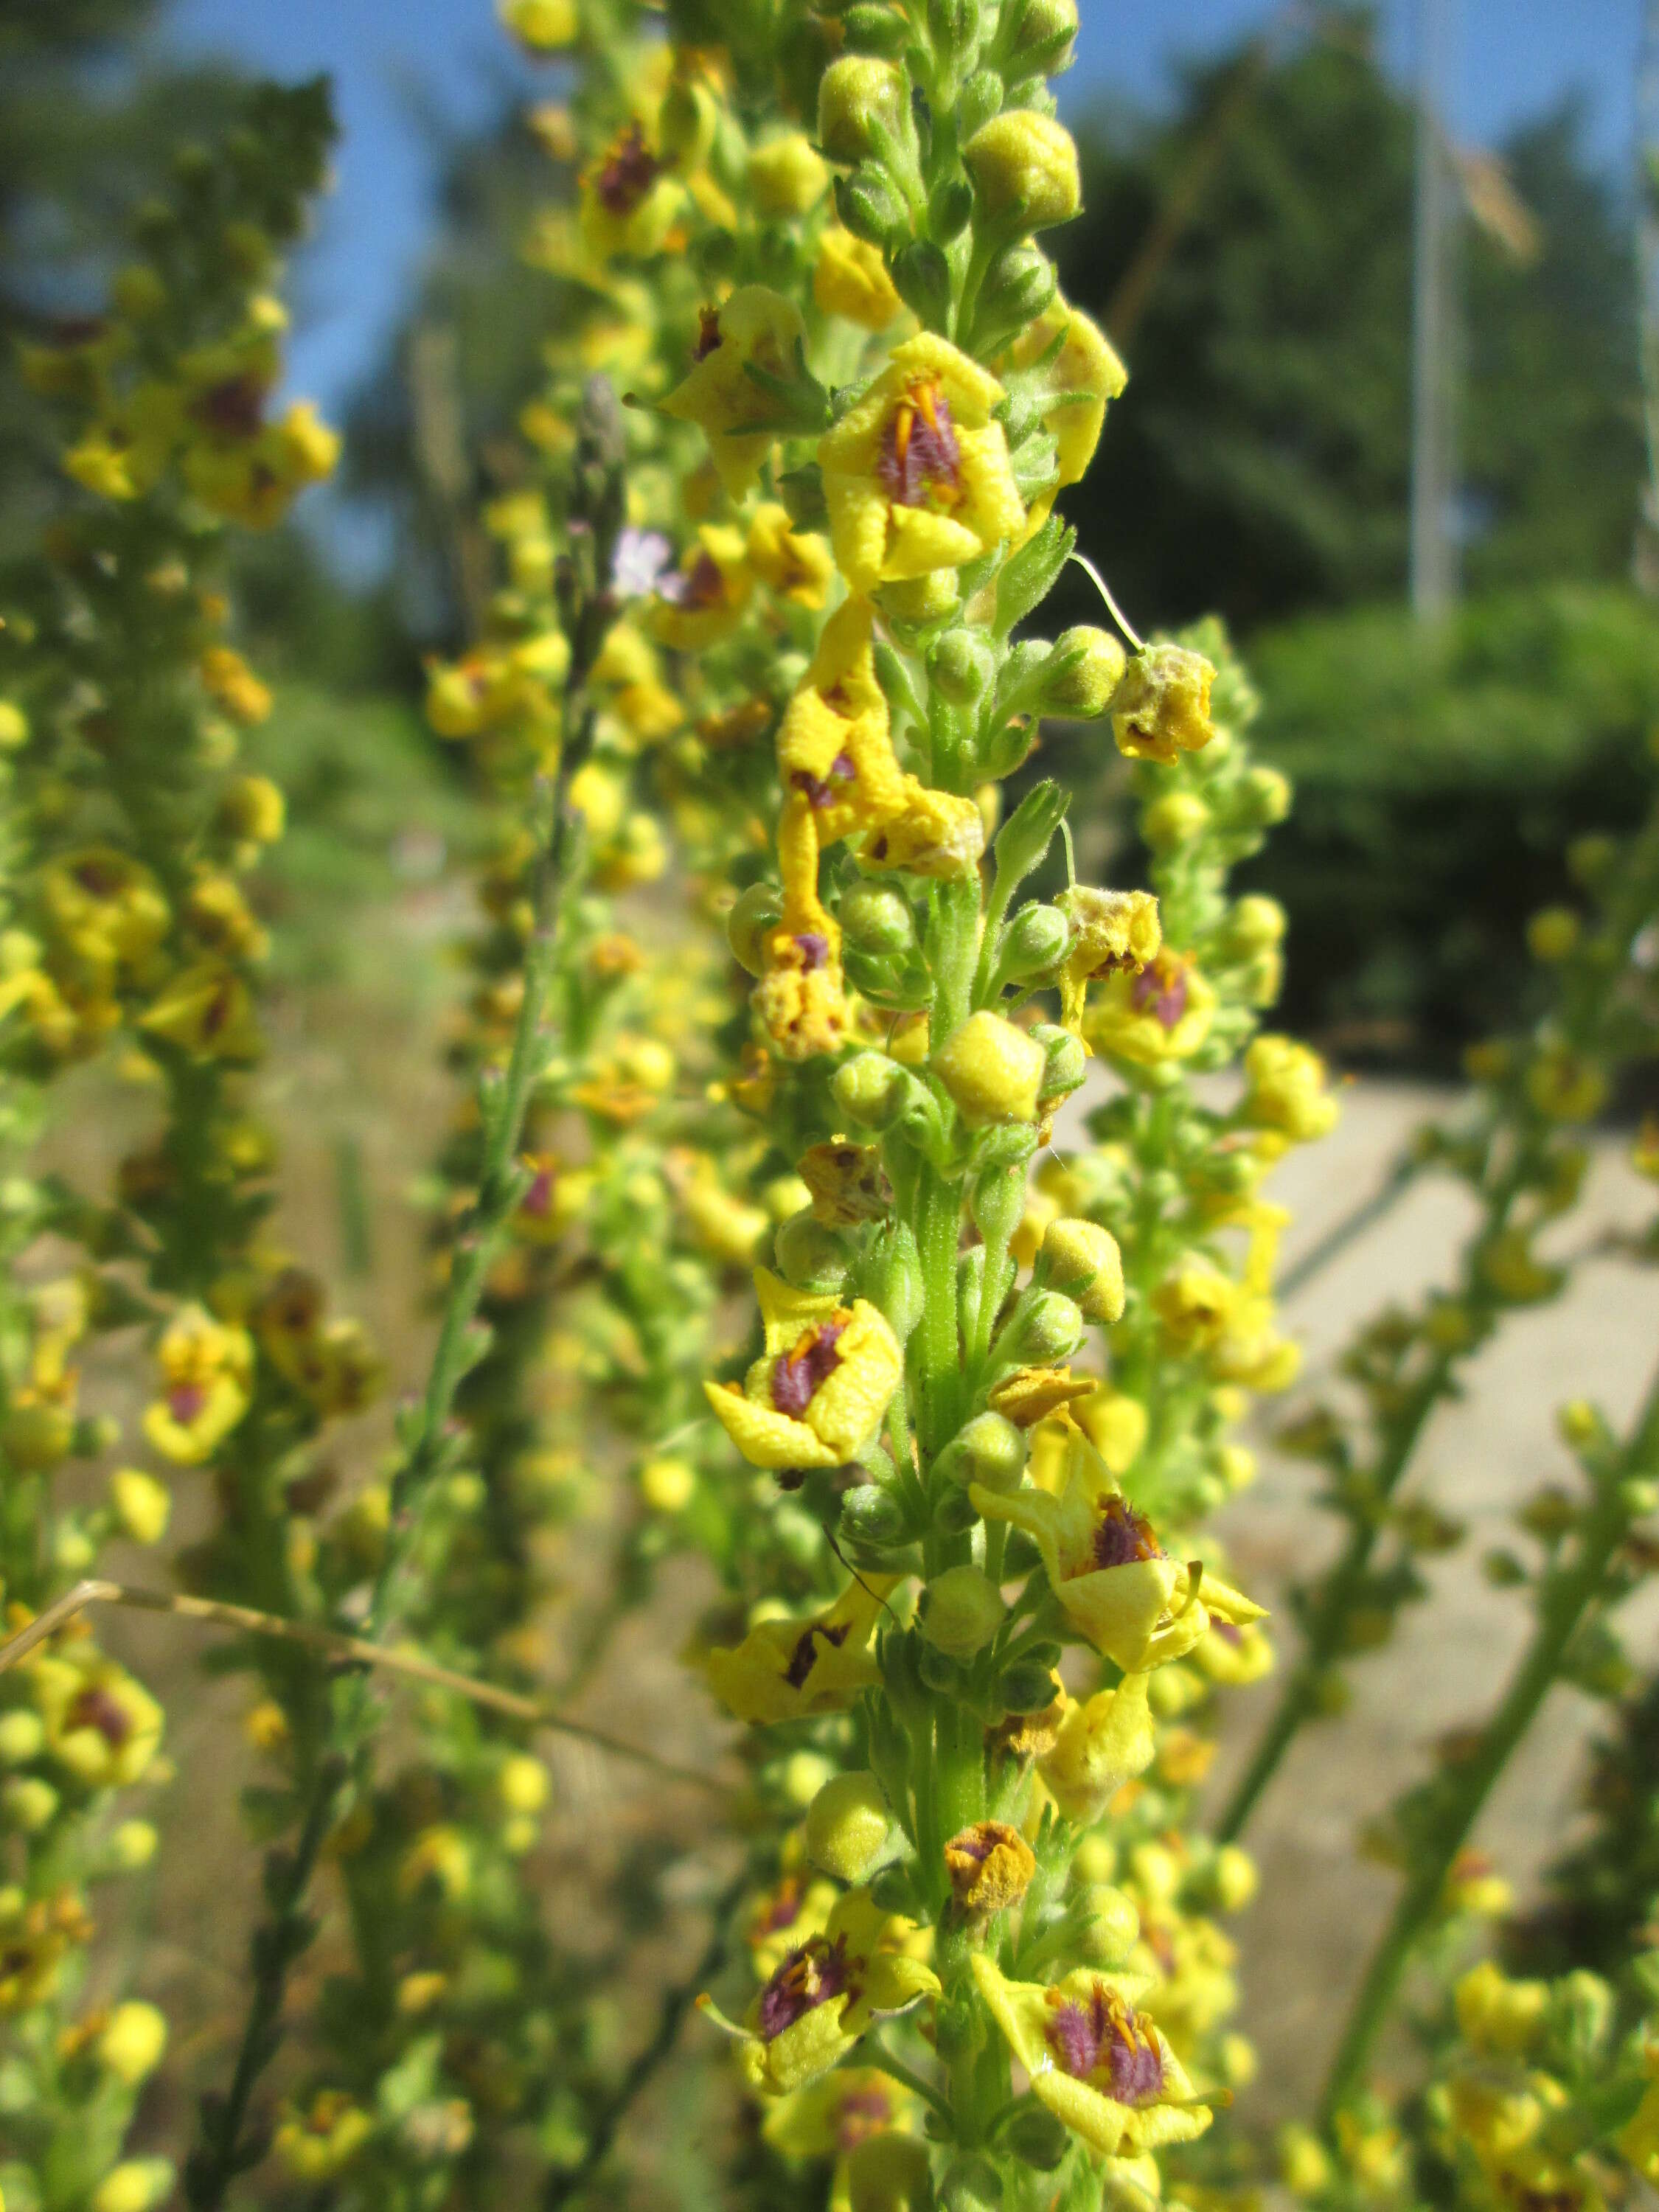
(1305, 1938)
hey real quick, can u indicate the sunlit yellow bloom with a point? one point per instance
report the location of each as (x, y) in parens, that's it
(628, 202)
(1235, 1652)
(100, 1723)
(208, 1010)
(797, 1906)
(1100, 2066)
(819, 1390)
(722, 1223)
(320, 2140)
(1285, 1090)
(206, 1369)
(938, 834)
(1114, 933)
(824, 1996)
(801, 996)
(835, 750)
(793, 563)
(755, 328)
(917, 476)
(220, 919)
(1497, 2013)
(544, 25)
(1106, 1566)
(251, 809)
(786, 1670)
(1115, 1424)
(1102, 1744)
(1163, 705)
(705, 602)
(786, 176)
(1163, 1013)
(231, 684)
(832, 2116)
(105, 907)
(850, 279)
(1076, 385)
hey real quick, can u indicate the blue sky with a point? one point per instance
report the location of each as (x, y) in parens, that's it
(395, 61)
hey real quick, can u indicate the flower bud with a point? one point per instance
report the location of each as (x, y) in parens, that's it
(869, 27)
(1035, 943)
(873, 1519)
(971, 2183)
(808, 1256)
(1028, 1686)
(132, 2042)
(137, 2185)
(141, 1503)
(991, 1070)
(872, 1091)
(1046, 1330)
(980, 98)
(960, 1611)
(953, 27)
(1018, 285)
(755, 913)
(869, 205)
(1082, 1260)
(1025, 836)
(1024, 169)
(1263, 797)
(892, 1279)
(1047, 31)
(856, 92)
(1163, 705)
(849, 1830)
(1179, 818)
(667, 1486)
(1580, 2015)
(921, 277)
(875, 918)
(1112, 1928)
(1551, 933)
(21, 1735)
(26, 1803)
(1037, 2139)
(786, 176)
(1084, 670)
(1065, 1063)
(961, 667)
(988, 1450)
(1256, 925)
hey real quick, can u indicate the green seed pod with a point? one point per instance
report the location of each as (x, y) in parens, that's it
(849, 1830)
(754, 914)
(1037, 940)
(873, 1091)
(1088, 667)
(875, 918)
(1082, 1260)
(961, 667)
(1047, 1330)
(1028, 1687)
(1037, 2139)
(808, 1256)
(988, 1450)
(971, 2183)
(960, 1611)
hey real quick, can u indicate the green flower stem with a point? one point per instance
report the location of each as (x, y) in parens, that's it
(1565, 1601)
(873, 2052)
(222, 2152)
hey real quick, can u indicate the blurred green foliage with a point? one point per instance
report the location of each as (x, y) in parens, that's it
(1439, 777)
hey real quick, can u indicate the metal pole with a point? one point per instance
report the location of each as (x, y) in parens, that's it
(1433, 541)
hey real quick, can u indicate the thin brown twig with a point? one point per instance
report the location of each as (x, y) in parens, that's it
(216, 1613)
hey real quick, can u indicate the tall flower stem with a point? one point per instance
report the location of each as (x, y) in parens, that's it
(225, 2149)
(1567, 1600)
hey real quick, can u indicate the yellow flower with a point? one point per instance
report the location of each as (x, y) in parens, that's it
(105, 907)
(231, 684)
(142, 1506)
(1565, 1087)
(850, 279)
(801, 996)
(786, 176)
(1164, 1014)
(792, 562)
(206, 1008)
(1114, 933)
(819, 1390)
(205, 1370)
(786, 1670)
(1074, 385)
(251, 809)
(1638, 2139)
(938, 834)
(824, 1996)
(628, 202)
(755, 328)
(1115, 1424)
(917, 476)
(1106, 1566)
(316, 2143)
(544, 25)
(835, 750)
(1101, 2068)
(783, 1916)
(100, 1723)
(132, 2041)
(1101, 1745)
(1285, 1090)
(992, 1070)
(1495, 2014)
(990, 1866)
(1235, 1653)
(704, 601)
(832, 2116)
(1163, 704)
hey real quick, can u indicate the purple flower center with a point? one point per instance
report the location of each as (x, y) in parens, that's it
(814, 950)
(1122, 1535)
(804, 1657)
(1107, 2038)
(799, 1373)
(235, 408)
(920, 462)
(863, 2113)
(708, 333)
(96, 1709)
(630, 170)
(818, 1970)
(820, 790)
(537, 1201)
(186, 1401)
(1161, 991)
